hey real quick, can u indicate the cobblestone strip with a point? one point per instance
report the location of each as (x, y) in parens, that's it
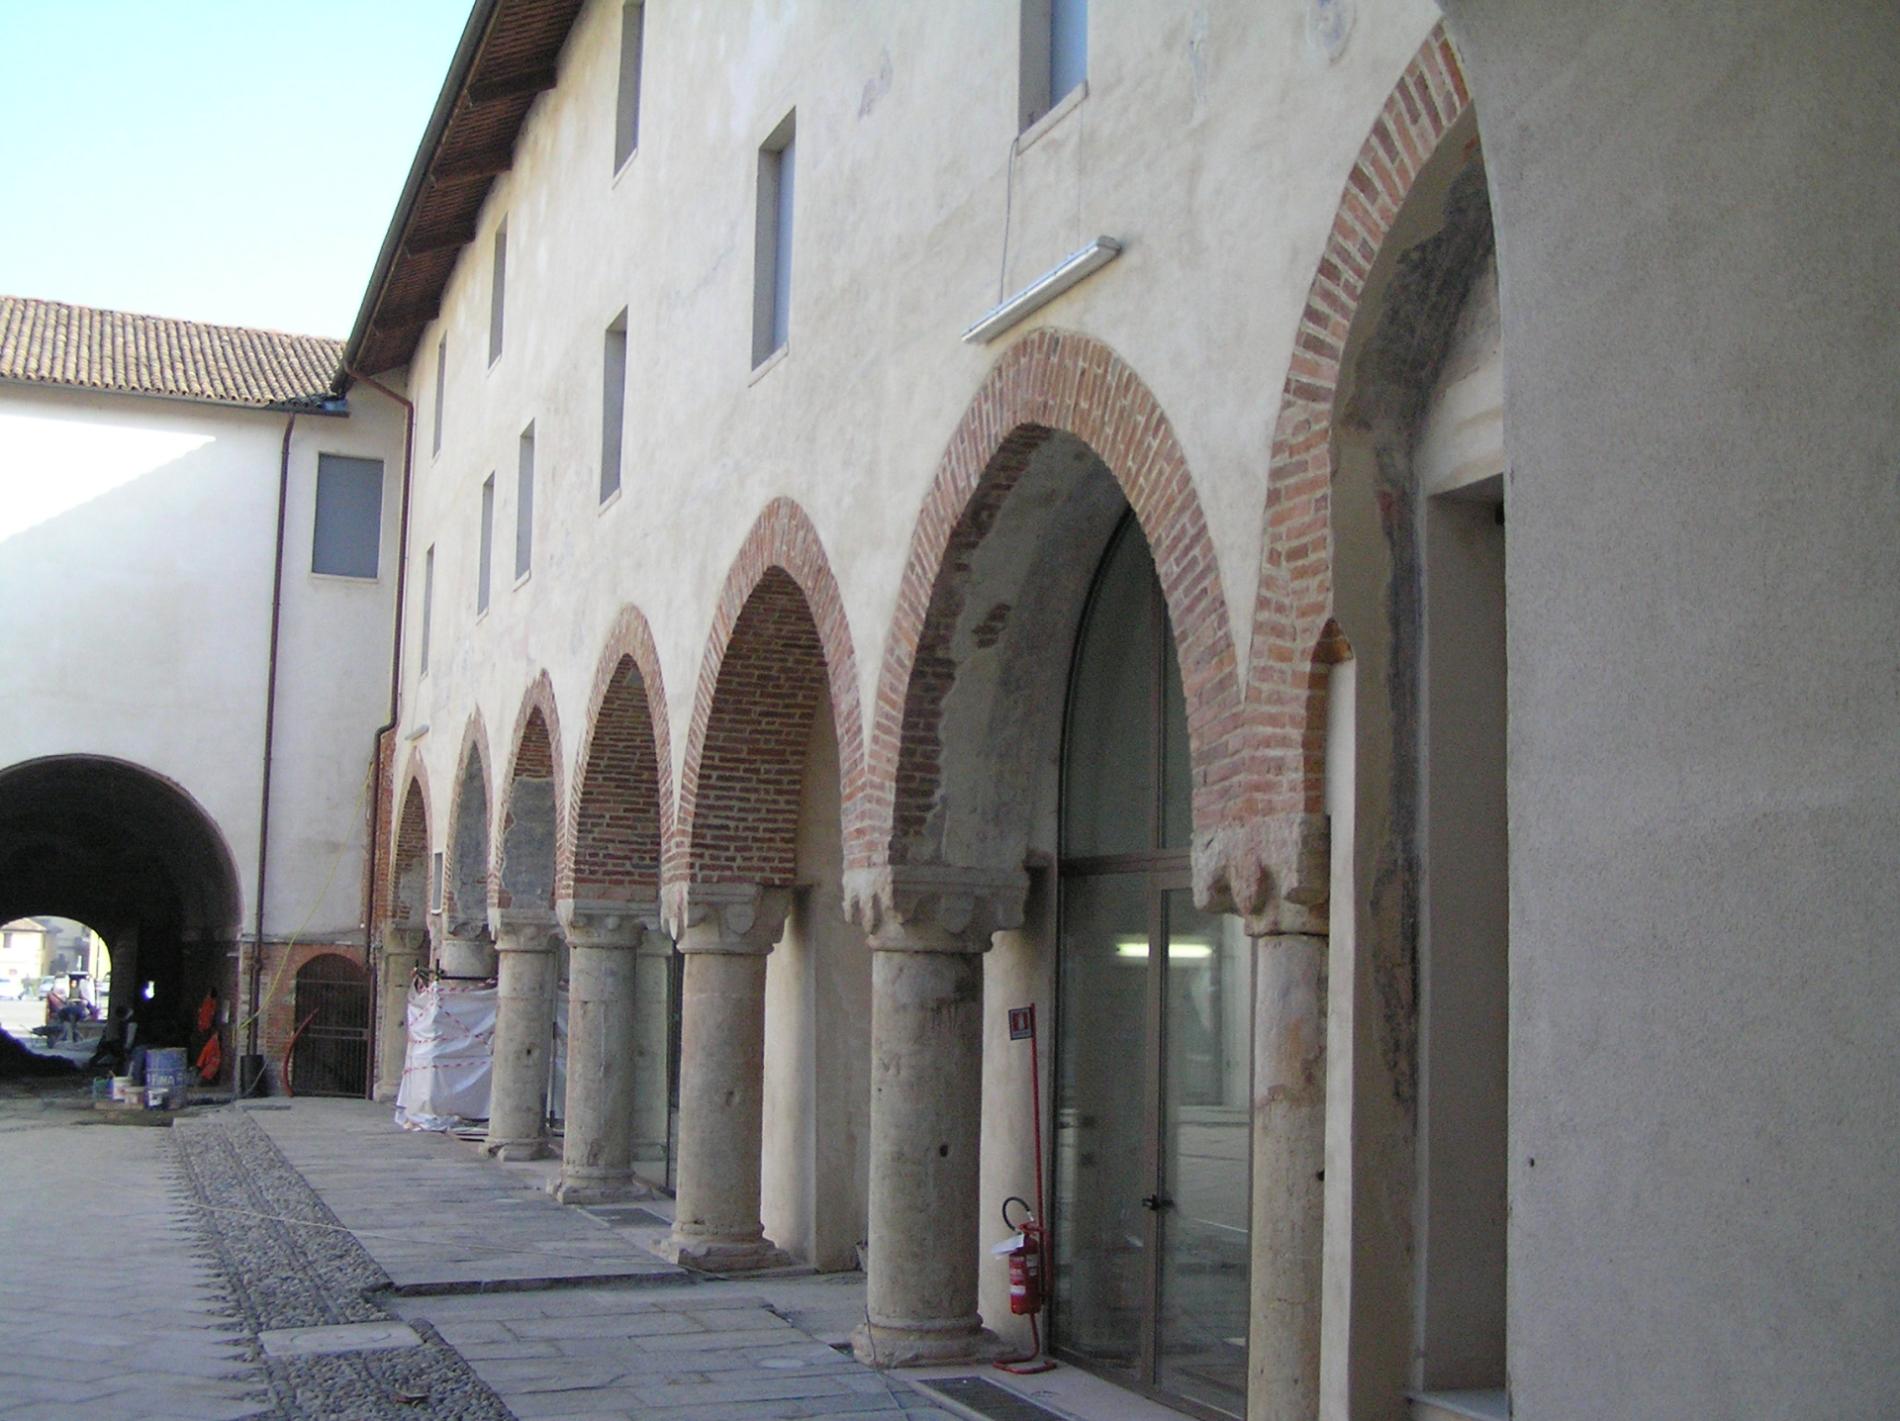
(288, 1263)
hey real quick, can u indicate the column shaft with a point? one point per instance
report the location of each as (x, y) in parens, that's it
(597, 1154)
(926, 1074)
(524, 1036)
(401, 952)
(1289, 1160)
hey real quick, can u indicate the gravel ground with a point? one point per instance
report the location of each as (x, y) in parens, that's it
(289, 1264)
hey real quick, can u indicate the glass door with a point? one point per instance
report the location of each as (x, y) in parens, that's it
(1153, 1031)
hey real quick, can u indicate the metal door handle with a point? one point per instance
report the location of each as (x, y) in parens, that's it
(1156, 1202)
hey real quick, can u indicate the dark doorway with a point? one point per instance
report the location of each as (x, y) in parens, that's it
(331, 1055)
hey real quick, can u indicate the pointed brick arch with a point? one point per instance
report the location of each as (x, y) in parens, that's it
(409, 853)
(620, 815)
(1292, 615)
(779, 634)
(524, 868)
(1051, 381)
(467, 872)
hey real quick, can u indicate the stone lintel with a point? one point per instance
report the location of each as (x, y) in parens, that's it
(606, 923)
(934, 907)
(1276, 872)
(728, 917)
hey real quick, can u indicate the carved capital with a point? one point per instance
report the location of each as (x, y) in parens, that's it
(727, 917)
(399, 939)
(523, 929)
(600, 923)
(934, 907)
(1275, 872)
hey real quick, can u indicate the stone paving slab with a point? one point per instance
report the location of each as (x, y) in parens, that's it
(437, 1216)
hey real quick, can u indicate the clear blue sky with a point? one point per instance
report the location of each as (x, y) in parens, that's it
(223, 160)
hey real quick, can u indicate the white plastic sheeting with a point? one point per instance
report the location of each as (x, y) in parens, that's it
(447, 1069)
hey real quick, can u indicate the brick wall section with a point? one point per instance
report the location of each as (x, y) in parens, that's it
(1050, 380)
(779, 634)
(383, 796)
(620, 814)
(468, 823)
(408, 881)
(534, 761)
(1294, 638)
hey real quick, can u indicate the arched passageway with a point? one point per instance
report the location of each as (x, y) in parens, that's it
(772, 768)
(135, 857)
(415, 890)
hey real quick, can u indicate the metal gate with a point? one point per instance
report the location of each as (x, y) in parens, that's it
(331, 1054)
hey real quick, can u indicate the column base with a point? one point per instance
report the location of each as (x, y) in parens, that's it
(723, 1255)
(925, 1344)
(517, 1151)
(599, 1189)
(385, 1095)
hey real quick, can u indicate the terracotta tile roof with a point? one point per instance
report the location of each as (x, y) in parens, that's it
(81, 347)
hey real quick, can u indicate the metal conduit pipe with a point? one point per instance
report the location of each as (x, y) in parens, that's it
(270, 731)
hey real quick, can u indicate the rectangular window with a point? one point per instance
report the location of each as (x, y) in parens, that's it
(435, 883)
(524, 506)
(498, 293)
(488, 545)
(349, 521)
(627, 110)
(428, 605)
(1055, 54)
(613, 405)
(441, 385)
(772, 266)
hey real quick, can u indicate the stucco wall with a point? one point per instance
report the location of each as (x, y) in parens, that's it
(1699, 259)
(135, 598)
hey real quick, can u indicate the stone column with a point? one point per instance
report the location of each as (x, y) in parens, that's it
(652, 1014)
(597, 1154)
(928, 929)
(725, 930)
(1289, 1161)
(524, 1033)
(401, 951)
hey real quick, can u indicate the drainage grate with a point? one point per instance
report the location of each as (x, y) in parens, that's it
(630, 1216)
(986, 1398)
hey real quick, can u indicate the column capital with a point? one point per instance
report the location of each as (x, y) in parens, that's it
(399, 936)
(1275, 871)
(934, 907)
(606, 924)
(727, 917)
(523, 929)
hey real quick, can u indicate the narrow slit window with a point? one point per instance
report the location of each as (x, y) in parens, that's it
(349, 516)
(772, 271)
(498, 294)
(524, 506)
(441, 386)
(428, 608)
(487, 545)
(627, 107)
(1055, 54)
(613, 404)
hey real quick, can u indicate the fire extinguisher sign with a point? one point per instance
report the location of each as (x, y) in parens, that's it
(1022, 1023)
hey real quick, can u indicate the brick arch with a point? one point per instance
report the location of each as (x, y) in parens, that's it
(1051, 381)
(779, 635)
(408, 896)
(472, 756)
(620, 815)
(1294, 637)
(524, 867)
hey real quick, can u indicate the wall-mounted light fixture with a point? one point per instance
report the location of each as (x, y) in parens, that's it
(1044, 289)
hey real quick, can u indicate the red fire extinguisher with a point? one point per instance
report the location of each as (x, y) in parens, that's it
(1025, 1261)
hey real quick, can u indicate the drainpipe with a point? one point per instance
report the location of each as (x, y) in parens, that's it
(270, 731)
(395, 678)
